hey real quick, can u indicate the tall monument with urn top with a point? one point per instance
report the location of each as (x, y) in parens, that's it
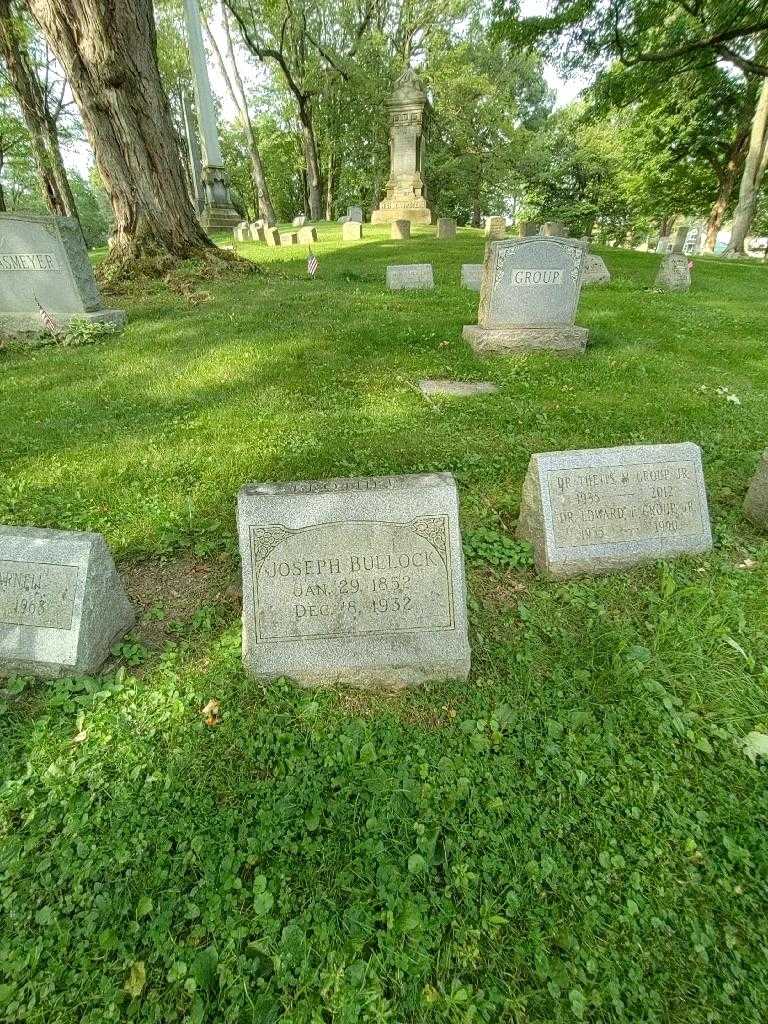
(406, 191)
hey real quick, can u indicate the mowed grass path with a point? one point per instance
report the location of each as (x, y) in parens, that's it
(574, 835)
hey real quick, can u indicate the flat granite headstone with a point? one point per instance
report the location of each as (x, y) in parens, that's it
(62, 605)
(307, 235)
(410, 276)
(529, 295)
(44, 262)
(610, 508)
(496, 227)
(457, 388)
(756, 502)
(674, 274)
(446, 227)
(351, 231)
(357, 581)
(472, 276)
(400, 230)
(595, 271)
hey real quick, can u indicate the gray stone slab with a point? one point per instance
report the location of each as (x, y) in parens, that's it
(400, 230)
(606, 509)
(62, 605)
(402, 276)
(756, 503)
(457, 388)
(355, 214)
(357, 581)
(594, 271)
(674, 274)
(257, 232)
(567, 341)
(528, 228)
(446, 228)
(351, 231)
(472, 276)
(44, 262)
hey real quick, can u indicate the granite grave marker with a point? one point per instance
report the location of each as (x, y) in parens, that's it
(674, 273)
(410, 276)
(400, 230)
(495, 227)
(446, 228)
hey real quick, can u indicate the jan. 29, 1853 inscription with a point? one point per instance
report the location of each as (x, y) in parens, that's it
(37, 594)
(351, 579)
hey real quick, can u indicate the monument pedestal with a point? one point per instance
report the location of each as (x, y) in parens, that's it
(422, 215)
(567, 340)
(218, 212)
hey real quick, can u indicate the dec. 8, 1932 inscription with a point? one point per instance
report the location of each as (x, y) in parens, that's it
(345, 578)
(618, 504)
(38, 594)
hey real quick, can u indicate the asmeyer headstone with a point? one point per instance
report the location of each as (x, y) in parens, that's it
(472, 276)
(756, 502)
(529, 295)
(357, 581)
(674, 273)
(351, 231)
(446, 227)
(605, 509)
(410, 276)
(62, 604)
(400, 230)
(44, 262)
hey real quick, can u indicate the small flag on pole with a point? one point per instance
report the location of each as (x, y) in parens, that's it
(312, 264)
(51, 326)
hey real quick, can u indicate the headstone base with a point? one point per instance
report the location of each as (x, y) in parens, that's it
(567, 340)
(418, 216)
(219, 218)
(15, 325)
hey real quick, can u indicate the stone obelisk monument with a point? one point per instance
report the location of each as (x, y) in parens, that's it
(218, 212)
(406, 192)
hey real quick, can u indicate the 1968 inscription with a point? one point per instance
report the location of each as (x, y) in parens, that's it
(352, 579)
(620, 504)
(37, 594)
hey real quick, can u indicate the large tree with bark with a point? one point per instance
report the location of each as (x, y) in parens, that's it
(108, 52)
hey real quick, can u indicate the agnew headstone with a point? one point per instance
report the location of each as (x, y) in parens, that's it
(62, 605)
(357, 581)
(606, 509)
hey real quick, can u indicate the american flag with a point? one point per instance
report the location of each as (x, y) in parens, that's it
(52, 326)
(312, 264)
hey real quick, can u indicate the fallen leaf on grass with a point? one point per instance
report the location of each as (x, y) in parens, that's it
(80, 737)
(212, 712)
(754, 745)
(136, 980)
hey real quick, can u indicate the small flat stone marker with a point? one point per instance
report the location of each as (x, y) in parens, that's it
(756, 503)
(400, 230)
(357, 581)
(674, 274)
(607, 509)
(62, 604)
(351, 231)
(496, 227)
(446, 228)
(307, 235)
(472, 276)
(594, 271)
(44, 262)
(528, 297)
(410, 276)
(457, 388)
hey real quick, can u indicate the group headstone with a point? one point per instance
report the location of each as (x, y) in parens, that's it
(674, 273)
(606, 509)
(756, 504)
(495, 227)
(446, 227)
(595, 271)
(554, 229)
(44, 265)
(400, 230)
(307, 235)
(410, 277)
(471, 276)
(357, 581)
(457, 388)
(529, 295)
(62, 604)
(351, 231)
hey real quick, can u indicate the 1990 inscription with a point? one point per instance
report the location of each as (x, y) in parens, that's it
(352, 579)
(37, 594)
(620, 504)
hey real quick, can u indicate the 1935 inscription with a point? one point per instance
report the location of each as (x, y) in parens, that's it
(619, 504)
(38, 594)
(352, 579)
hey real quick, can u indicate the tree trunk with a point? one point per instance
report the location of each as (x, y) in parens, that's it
(476, 220)
(42, 128)
(752, 176)
(717, 213)
(109, 54)
(314, 181)
(330, 185)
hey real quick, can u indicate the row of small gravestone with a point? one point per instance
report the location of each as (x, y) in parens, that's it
(361, 580)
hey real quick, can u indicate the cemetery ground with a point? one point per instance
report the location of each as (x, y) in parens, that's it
(576, 834)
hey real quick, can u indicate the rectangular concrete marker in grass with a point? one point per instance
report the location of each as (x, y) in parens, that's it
(457, 388)
(529, 296)
(44, 263)
(410, 276)
(471, 276)
(62, 605)
(606, 509)
(357, 581)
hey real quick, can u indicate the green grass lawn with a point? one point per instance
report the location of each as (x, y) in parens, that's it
(573, 835)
